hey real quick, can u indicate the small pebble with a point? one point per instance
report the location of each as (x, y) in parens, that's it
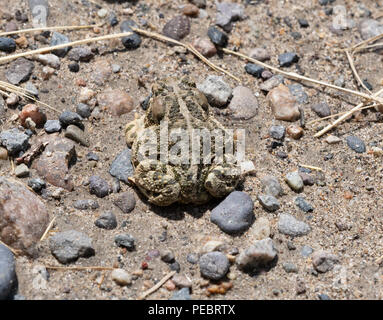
(290, 267)
(83, 110)
(254, 69)
(107, 221)
(303, 204)
(294, 180)
(177, 28)
(98, 186)
(261, 253)
(306, 251)
(125, 241)
(216, 90)
(121, 277)
(324, 261)
(287, 59)
(74, 67)
(356, 144)
(86, 204)
(68, 117)
(126, 201)
(218, 37)
(214, 265)
(277, 132)
(76, 134)
(269, 202)
(289, 225)
(167, 256)
(22, 171)
(52, 126)
(231, 217)
(36, 184)
(321, 109)
(294, 131)
(7, 44)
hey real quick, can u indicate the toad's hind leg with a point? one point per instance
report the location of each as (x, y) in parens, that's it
(133, 128)
(222, 179)
(157, 182)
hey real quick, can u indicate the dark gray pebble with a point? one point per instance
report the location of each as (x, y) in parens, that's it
(235, 213)
(106, 221)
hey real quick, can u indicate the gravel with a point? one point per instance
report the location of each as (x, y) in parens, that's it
(254, 69)
(125, 241)
(290, 267)
(321, 109)
(303, 204)
(99, 186)
(70, 118)
(107, 221)
(37, 184)
(324, 261)
(52, 126)
(356, 144)
(83, 110)
(70, 245)
(261, 253)
(271, 186)
(287, 59)
(294, 180)
(86, 204)
(126, 202)
(7, 44)
(182, 294)
(289, 225)
(19, 71)
(218, 37)
(14, 141)
(235, 213)
(76, 134)
(216, 90)
(214, 265)
(269, 202)
(306, 251)
(121, 277)
(277, 132)
(121, 167)
(177, 28)
(59, 38)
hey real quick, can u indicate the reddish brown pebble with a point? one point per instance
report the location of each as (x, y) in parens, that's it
(22, 42)
(169, 285)
(144, 265)
(32, 111)
(348, 195)
(295, 132)
(283, 104)
(116, 101)
(205, 47)
(190, 10)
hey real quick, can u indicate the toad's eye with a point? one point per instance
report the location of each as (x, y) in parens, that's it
(202, 100)
(158, 109)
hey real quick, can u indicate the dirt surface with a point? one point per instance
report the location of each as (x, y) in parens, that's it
(357, 276)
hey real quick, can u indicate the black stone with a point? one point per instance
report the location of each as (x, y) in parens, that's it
(217, 36)
(254, 69)
(287, 59)
(74, 67)
(7, 44)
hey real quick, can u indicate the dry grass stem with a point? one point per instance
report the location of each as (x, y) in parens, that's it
(157, 286)
(296, 76)
(64, 45)
(337, 115)
(23, 93)
(361, 45)
(345, 116)
(94, 268)
(351, 61)
(3, 34)
(47, 229)
(188, 47)
(14, 251)
(311, 167)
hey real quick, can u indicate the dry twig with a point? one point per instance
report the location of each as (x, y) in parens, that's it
(157, 286)
(93, 268)
(351, 61)
(14, 251)
(345, 116)
(47, 229)
(3, 34)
